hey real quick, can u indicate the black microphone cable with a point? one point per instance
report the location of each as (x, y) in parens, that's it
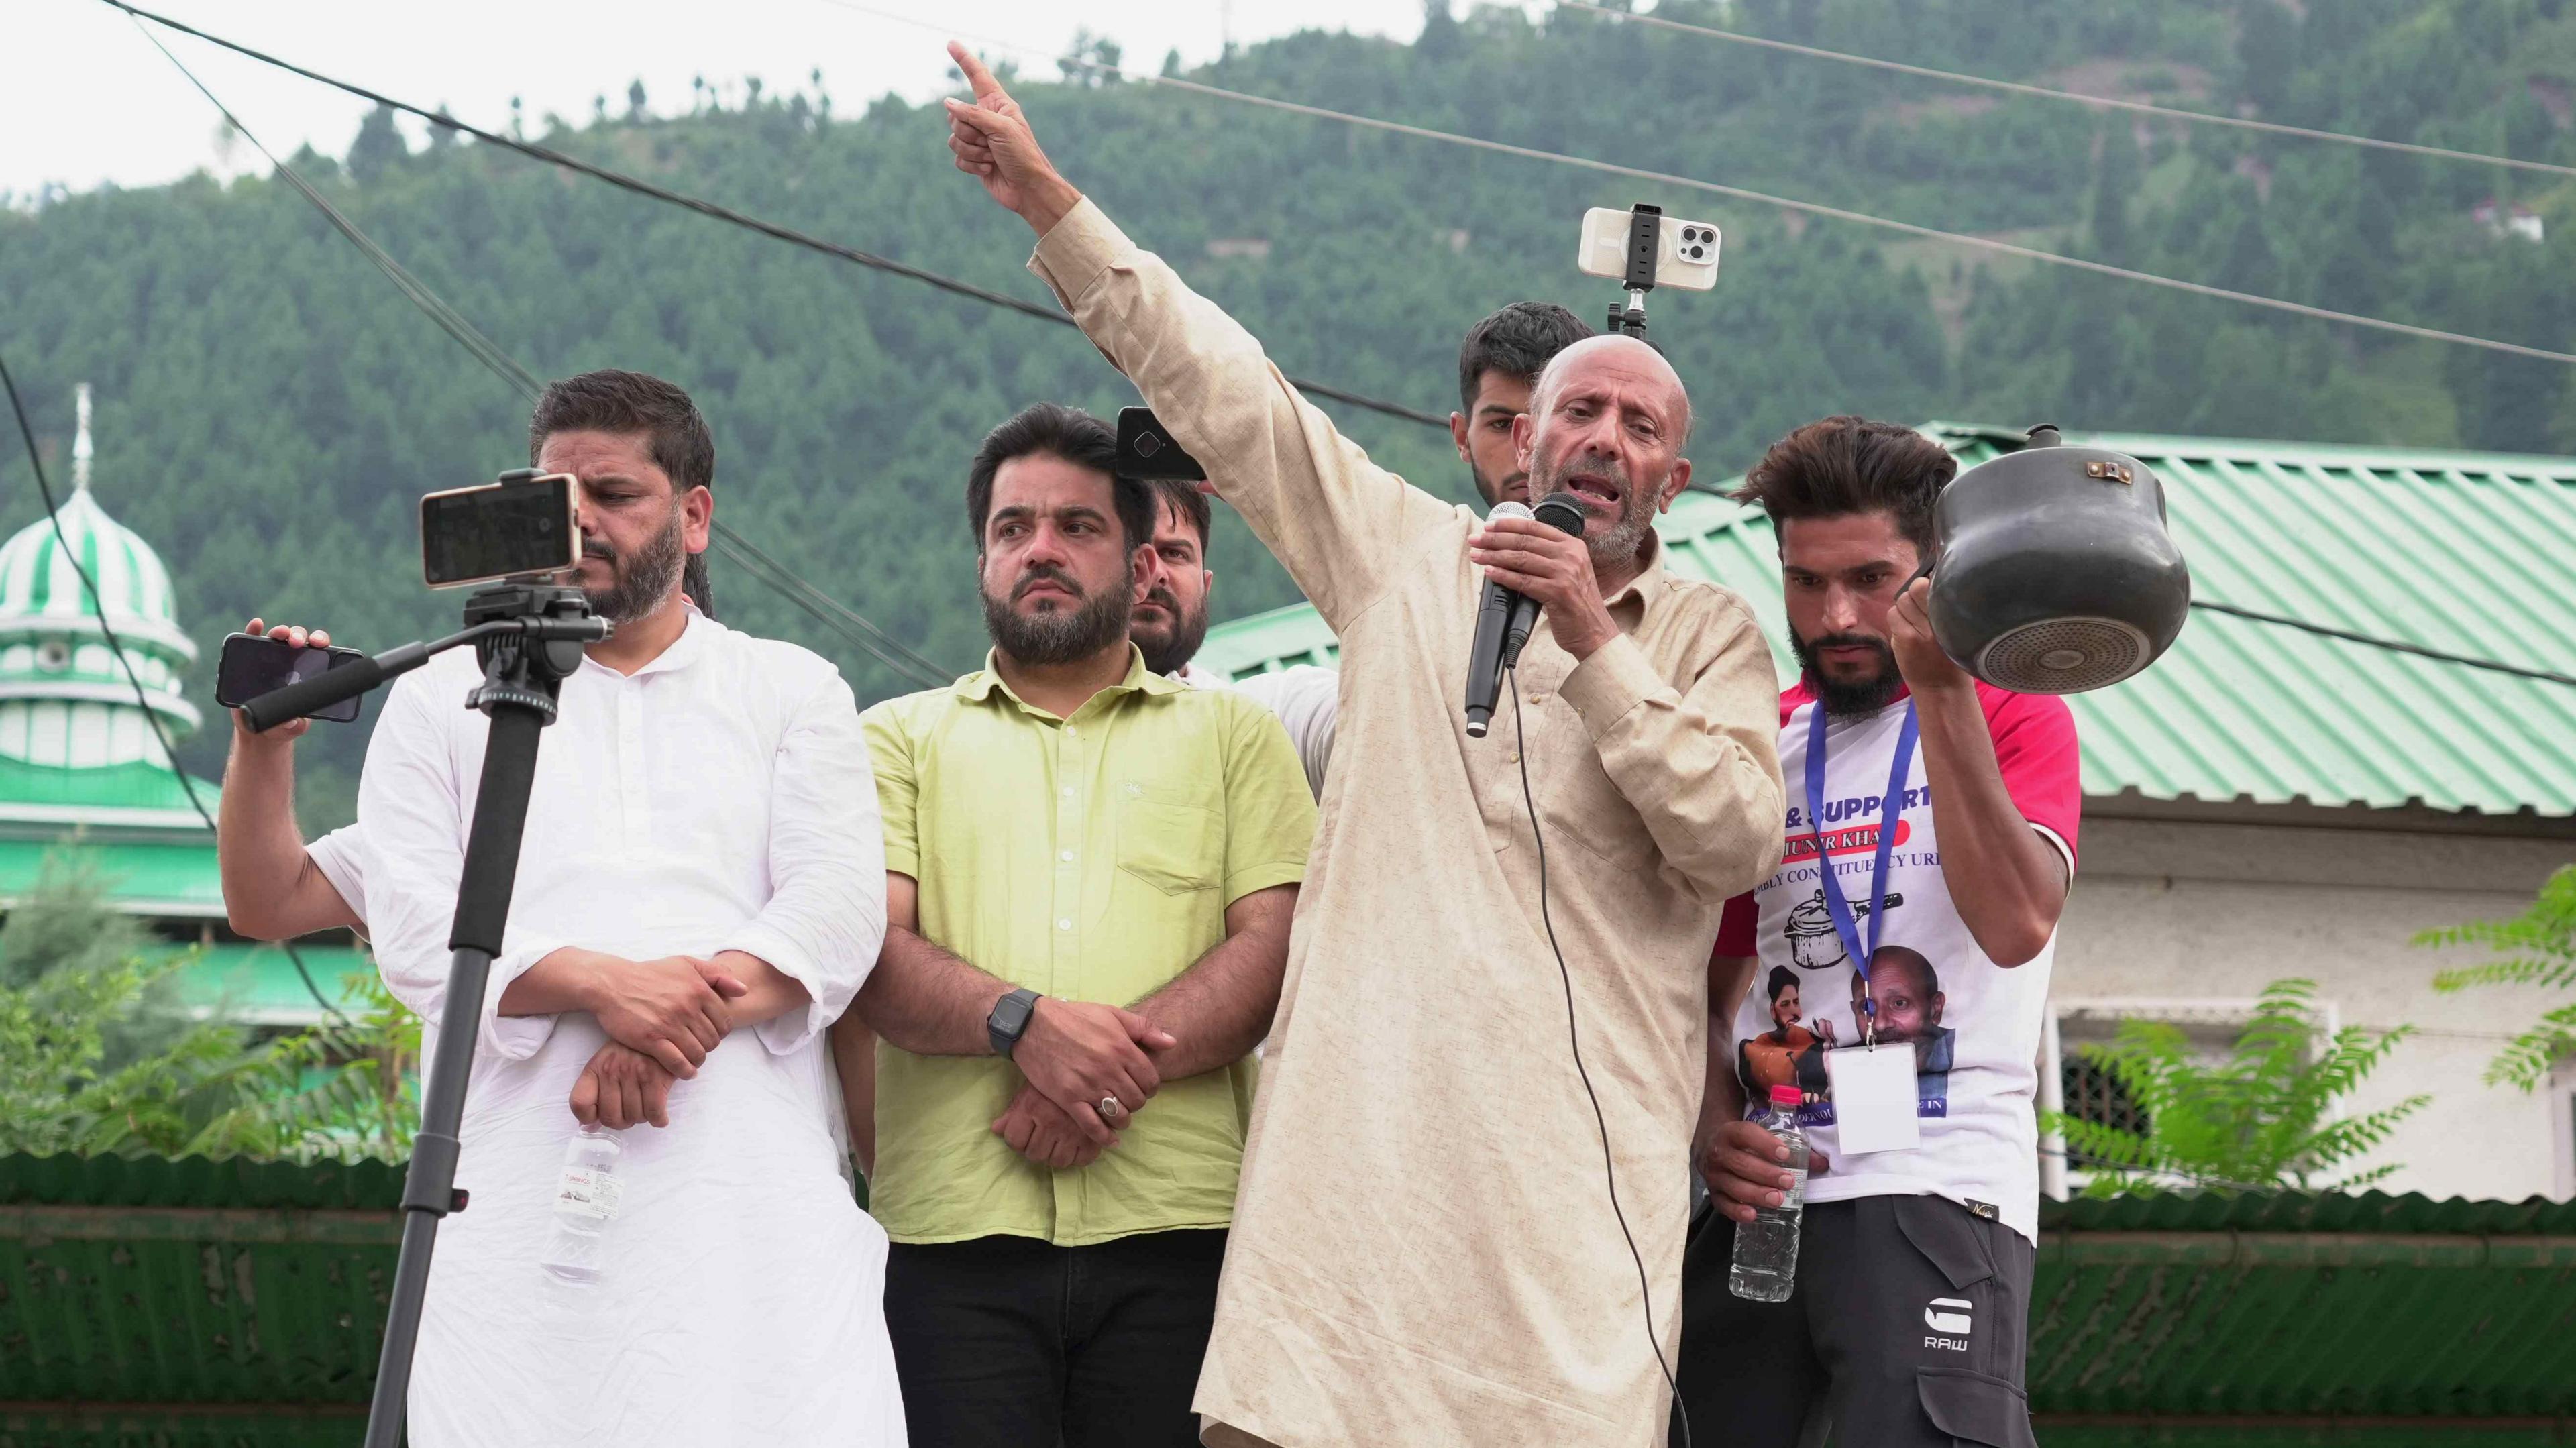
(1574, 1040)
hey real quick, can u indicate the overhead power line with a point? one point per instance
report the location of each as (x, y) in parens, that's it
(704, 207)
(1737, 193)
(815, 603)
(2392, 645)
(2205, 118)
(757, 562)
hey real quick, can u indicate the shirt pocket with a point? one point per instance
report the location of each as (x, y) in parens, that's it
(1580, 800)
(1169, 840)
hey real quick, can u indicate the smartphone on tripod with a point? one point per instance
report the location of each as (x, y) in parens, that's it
(526, 525)
(1684, 252)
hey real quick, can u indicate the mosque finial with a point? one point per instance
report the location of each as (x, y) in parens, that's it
(80, 445)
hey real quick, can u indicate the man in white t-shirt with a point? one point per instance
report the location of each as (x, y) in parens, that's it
(1909, 1318)
(1172, 622)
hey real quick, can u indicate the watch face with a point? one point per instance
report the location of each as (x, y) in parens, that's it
(1011, 1014)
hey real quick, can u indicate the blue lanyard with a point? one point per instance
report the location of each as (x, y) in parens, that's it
(1889, 811)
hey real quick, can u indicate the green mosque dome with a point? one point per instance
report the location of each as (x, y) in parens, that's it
(65, 701)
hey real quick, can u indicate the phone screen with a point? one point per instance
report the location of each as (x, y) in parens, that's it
(475, 534)
(254, 664)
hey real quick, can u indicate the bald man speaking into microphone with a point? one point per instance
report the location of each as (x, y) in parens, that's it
(1424, 1248)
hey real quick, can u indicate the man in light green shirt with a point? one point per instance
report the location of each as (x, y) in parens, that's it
(1090, 874)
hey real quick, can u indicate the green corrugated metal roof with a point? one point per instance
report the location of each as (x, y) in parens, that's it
(204, 1299)
(2459, 551)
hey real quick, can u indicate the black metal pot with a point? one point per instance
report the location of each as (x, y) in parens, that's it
(2057, 573)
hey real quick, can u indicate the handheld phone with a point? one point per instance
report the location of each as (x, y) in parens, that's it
(523, 525)
(255, 664)
(1146, 450)
(1685, 251)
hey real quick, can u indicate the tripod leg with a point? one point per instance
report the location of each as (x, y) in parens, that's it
(429, 1184)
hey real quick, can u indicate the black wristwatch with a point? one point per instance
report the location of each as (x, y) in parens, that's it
(1010, 1017)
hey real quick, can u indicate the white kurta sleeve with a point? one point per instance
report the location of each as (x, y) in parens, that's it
(826, 913)
(411, 809)
(341, 857)
(1307, 700)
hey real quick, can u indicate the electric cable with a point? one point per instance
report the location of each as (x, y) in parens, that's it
(777, 576)
(1952, 77)
(2392, 645)
(1574, 1041)
(1739, 193)
(704, 207)
(484, 350)
(142, 696)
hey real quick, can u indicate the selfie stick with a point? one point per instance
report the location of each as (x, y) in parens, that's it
(530, 638)
(1645, 235)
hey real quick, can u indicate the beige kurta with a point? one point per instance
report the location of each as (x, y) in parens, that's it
(1423, 1248)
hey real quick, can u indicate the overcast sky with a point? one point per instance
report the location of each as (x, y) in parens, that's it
(84, 99)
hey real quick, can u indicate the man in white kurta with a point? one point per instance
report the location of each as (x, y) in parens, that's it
(710, 800)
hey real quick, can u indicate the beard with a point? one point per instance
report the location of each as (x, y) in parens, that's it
(1174, 643)
(1064, 635)
(1847, 697)
(1494, 492)
(1616, 546)
(639, 584)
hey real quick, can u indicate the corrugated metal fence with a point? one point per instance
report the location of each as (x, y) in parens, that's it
(202, 1304)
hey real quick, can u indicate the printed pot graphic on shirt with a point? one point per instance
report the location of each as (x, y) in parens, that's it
(1813, 942)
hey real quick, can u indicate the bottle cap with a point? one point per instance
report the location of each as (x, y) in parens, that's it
(1786, 1096)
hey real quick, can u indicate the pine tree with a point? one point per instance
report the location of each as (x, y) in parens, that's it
(379, 147)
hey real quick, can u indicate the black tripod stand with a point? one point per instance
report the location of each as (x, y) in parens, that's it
(530, 640)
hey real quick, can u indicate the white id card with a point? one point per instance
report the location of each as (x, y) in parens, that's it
(1873, 1091)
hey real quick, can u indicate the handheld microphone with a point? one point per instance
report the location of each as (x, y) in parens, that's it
(1563, 512)
(1494, 617)
(1505, 618)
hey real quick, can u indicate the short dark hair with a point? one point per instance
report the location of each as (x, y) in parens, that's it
(1842, 465)
(1189, 502)
(1069, 433)
(1781, 978)
(677, 437)
(1517, 341)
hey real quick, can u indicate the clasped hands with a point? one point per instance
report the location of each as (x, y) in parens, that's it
(1077, 1054)
(662, 1018)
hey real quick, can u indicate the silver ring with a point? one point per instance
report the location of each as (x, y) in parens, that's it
(1110, 1107)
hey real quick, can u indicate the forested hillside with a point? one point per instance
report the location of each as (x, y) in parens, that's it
(270, 408)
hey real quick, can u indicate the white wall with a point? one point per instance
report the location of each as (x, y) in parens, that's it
(2200, 910)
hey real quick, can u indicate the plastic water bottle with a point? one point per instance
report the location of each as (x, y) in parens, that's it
(585, 1203)
(1766, 1248)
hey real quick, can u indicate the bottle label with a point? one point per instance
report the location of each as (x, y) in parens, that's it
(1796, 1195)
(588, 1192)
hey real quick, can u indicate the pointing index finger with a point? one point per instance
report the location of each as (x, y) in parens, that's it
(976, 75)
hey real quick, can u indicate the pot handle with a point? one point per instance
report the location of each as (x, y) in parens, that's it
(1920, 573)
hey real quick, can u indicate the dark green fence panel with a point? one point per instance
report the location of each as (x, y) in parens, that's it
(203, 1304)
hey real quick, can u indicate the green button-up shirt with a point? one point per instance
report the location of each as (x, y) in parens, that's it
(1090, 858)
